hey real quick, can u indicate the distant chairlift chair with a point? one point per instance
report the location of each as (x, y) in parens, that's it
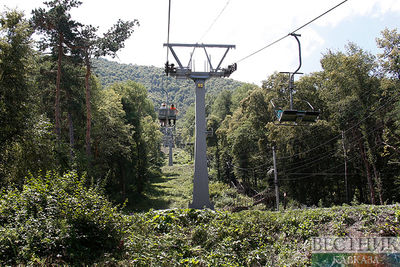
(171, 116)
(163, 116)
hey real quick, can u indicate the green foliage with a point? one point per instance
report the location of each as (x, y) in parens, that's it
(227, 198)
(16, 87)
(57, 220)
(248, 238)
(390, 58)
(352, 97)
(126, 140)
(114, 39)
(56, 23)
(180, 92)
(34, 153)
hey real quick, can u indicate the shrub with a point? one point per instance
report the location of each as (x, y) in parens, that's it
(56, 219)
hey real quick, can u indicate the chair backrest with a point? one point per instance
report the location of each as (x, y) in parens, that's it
(162, 113)
(172, 113)
(297, 116)
(287, 115)
(311, 116)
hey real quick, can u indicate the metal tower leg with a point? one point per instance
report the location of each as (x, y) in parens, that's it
(170, 143)
(201, 195)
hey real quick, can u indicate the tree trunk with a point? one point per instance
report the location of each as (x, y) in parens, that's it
(371, 160)
(378, 182)
(218, 162)
(71, 136)
(58, 85)
(140, 167)
(88, 107)
(367, 168)
(122, 179)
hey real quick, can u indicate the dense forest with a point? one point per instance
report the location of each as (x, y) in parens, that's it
(79, 136)
(350, 154)
(56, 116)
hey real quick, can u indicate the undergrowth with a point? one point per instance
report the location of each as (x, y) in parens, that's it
(58, 220)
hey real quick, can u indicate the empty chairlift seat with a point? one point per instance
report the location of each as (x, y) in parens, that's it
(310, 116)
(297, 116)
(286, 115)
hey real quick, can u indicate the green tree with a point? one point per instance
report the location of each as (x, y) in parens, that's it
(136, 106)
(390, 84)
(16, 69)
(59, 31)
(21, 126)
(89, 45)
(349, 80)
(390, 58)
(112, 139)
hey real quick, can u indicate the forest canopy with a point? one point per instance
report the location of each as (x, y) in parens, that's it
(80, 143)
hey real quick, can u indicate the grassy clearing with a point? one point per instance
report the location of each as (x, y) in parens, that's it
(174, 189)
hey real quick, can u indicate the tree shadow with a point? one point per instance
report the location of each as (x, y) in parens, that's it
(171, 174)
(154, 196)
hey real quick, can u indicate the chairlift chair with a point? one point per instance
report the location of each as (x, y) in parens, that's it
(162, 113)
(172, 114)
(296, 116)
(163, 116)
(292, 117)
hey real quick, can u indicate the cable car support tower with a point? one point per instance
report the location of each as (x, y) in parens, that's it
(201, 196)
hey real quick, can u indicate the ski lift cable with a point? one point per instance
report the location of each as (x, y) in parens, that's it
(252, 168)
(169, 26)
(330, 140)
(292, 32)
(215, 20)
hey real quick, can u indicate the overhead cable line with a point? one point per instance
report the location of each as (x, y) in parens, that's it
(252, 168)
(169, 26)
(347, 130)
(330, 140)
(326, 171)
(215, 20)
(317, 158)
(388, 100)
(299, 28)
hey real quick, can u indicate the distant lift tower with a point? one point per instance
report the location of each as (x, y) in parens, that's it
(201, 196)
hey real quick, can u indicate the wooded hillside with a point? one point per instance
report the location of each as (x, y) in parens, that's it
(180, 92)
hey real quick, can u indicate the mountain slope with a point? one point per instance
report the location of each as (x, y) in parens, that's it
(180, 92)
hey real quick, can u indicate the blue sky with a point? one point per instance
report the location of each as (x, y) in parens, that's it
(361, 30)
(248, 24)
